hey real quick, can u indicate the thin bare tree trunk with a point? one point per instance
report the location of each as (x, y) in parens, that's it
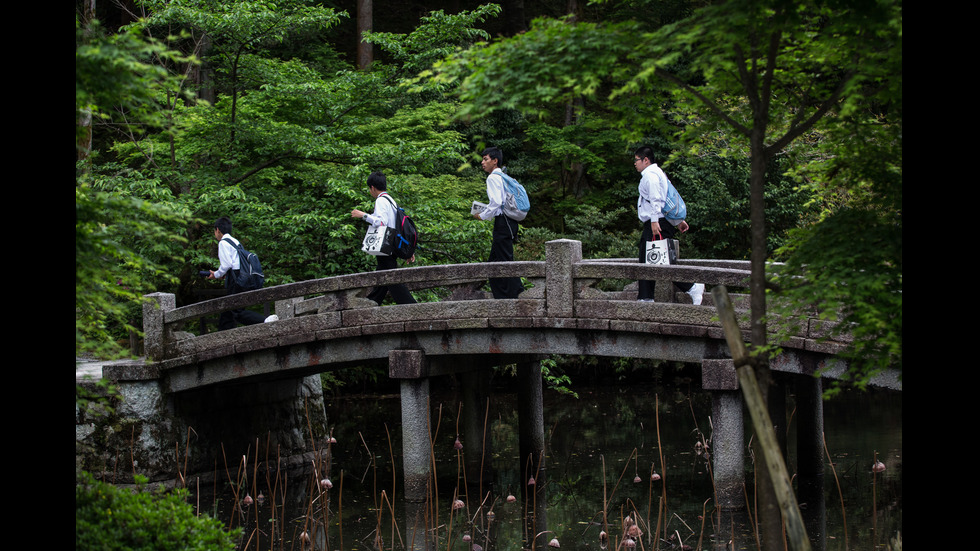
(83, 146)
(573, 177)
(514, 17)
(365, 22)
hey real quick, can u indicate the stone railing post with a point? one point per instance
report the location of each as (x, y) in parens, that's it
(285, 308)
(560, 255)
(154, 333)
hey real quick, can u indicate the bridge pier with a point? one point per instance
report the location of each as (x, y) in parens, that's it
(476, 429)
(810, 457)
(412, 367)
(728, 432)
(530, 404)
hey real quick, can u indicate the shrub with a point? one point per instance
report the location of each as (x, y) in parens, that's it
(107, 518)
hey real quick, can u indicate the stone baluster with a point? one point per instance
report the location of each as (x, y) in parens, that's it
(155, 307)
(561, 255)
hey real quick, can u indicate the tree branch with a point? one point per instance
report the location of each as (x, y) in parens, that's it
(704, 99)
(277, 159)
(795, 131)
(770, 74)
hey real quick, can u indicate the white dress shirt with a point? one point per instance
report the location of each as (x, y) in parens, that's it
(495, 193)
(227, 255)
(653, 194)
(384, 212)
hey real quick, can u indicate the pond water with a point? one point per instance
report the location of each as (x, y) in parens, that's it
(597, 445)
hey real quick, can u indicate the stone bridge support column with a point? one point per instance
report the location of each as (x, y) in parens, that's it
(476, 427)
(530, 413)
(809, 444)
(411, 367)
(810, 456)
(728, 433)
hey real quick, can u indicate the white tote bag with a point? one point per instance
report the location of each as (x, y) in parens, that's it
(657, 252)
(662, 251)
(379, 241)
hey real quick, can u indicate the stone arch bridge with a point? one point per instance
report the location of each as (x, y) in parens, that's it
(263, 378)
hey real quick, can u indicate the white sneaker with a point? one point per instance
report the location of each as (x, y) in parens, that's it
(272, 318)
(697, 293)
(645, 300)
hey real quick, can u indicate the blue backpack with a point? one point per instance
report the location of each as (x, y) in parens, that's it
(516, 203)
(674, 206)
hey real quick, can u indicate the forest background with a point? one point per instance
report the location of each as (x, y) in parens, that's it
(274, 113)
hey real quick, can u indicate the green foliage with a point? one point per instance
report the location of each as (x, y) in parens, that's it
(555, 61)
(122, 240)
(287, 143)
(849, 266)
(109, 518)
(243, 24)
(716, 191)
(748, 89)
(437, 36)
(555, 379)
(850, 262)
(120, 245)
(117, 77)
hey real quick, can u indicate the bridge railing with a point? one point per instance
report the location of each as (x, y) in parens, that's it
(557, 285)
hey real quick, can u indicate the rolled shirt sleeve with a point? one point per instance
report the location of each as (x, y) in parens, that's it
(653, 194)
(384, 212)
(495, 194)
(227, 255)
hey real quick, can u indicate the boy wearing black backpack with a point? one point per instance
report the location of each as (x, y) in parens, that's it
(385, 210)
(229, 258)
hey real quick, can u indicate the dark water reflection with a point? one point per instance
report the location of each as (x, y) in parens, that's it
(598, 445)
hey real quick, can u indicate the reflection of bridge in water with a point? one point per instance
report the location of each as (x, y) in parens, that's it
(232, 386)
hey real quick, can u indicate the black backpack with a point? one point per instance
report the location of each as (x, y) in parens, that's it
(407, 234)
(249, 275)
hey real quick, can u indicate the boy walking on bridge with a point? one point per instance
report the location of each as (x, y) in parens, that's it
(385, 214)
(228, 257)
(504, 228)
(649, 208)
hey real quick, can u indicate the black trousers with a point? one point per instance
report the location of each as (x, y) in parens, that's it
(398, 292)
(231, 318)
(502, 250)
(667, 231)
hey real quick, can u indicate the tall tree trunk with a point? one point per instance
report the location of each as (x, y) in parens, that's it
(83, 137)
(365, 22)
(514, 17)
(202, 74)
(572, 178)
(768, 513)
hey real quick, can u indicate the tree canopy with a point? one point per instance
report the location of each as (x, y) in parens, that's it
(779, 122)
(764, 81)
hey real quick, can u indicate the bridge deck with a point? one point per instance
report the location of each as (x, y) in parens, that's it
(327, 323)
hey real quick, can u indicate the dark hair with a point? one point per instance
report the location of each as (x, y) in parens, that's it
(223, 224)
(378, 181)
(494, 153)
(644, 152)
